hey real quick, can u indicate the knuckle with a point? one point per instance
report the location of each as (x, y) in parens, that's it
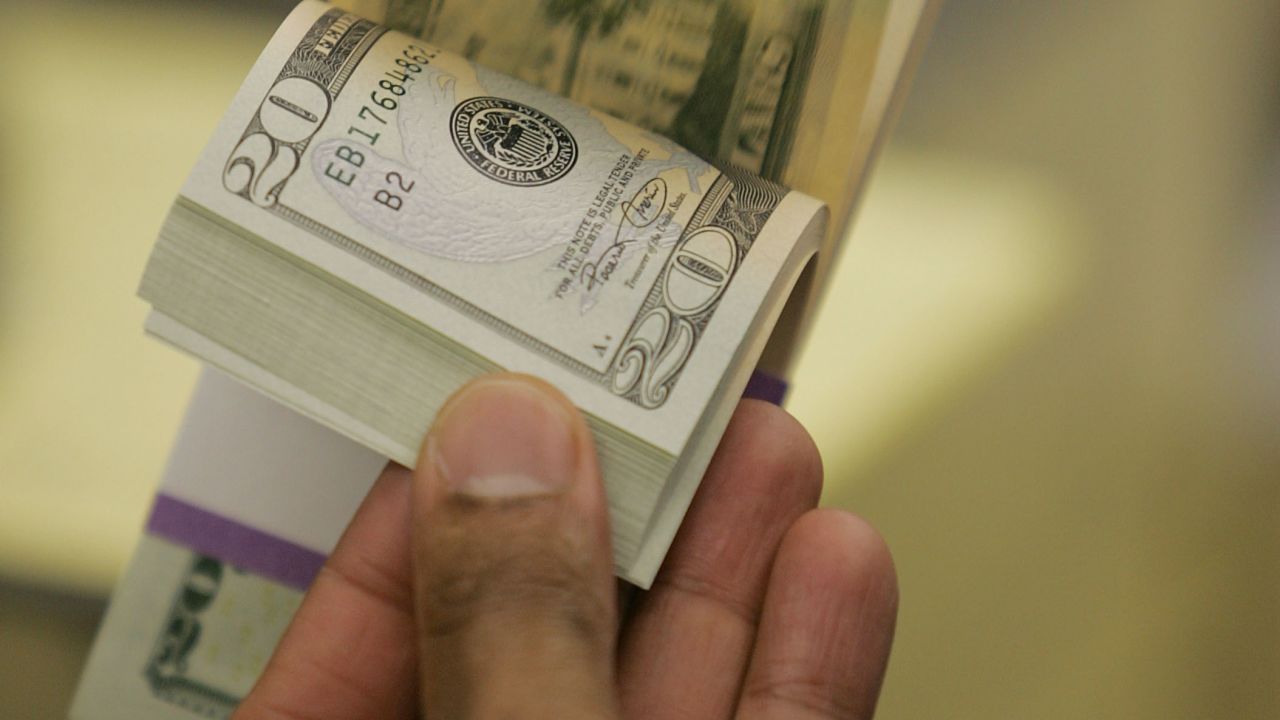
(796, 692)
(369, 577)
(501, 579)
(868, 551)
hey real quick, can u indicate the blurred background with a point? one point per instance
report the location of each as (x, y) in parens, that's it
(1048, 369)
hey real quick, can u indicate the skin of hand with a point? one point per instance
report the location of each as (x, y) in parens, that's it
(479, 586)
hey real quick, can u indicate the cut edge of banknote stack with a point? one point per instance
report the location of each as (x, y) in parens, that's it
(503, 228)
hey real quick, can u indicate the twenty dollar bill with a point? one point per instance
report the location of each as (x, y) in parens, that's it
(785, 90)
(377, 220)
(186, 636)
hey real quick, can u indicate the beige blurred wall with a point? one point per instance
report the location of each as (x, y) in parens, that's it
(1090, 530)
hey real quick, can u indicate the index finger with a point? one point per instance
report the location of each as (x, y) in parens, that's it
(686, 646)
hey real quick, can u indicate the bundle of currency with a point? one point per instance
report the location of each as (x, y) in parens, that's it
(798, 93)
(253, 499)
(376, 221)
(256, 495)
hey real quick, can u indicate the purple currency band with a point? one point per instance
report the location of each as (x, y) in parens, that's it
(232, 542)
(763, 386)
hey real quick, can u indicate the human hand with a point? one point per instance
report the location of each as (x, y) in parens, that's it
(480, 585)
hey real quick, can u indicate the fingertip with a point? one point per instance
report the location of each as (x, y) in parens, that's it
(844, 549)
(504, 412)
(508, 453)
(780, 451)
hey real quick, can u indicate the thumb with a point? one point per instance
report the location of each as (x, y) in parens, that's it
(513, 583)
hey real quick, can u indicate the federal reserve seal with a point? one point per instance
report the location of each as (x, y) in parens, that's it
(512, 142)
